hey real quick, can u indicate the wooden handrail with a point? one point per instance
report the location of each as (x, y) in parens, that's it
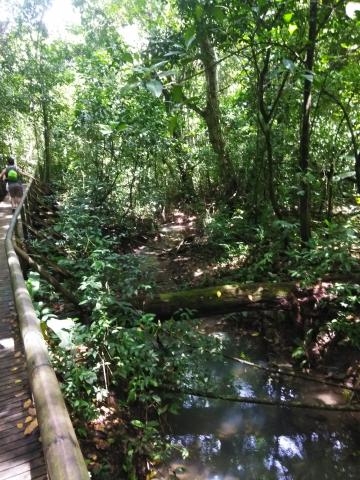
(62, 452)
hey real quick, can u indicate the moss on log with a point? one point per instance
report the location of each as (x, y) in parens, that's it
(224, 298)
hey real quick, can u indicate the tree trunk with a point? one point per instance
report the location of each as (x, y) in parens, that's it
(212, 115)
(266, 117)
(265, 124)
(304, 208)
(46, 133)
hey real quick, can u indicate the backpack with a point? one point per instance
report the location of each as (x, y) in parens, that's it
(12, 175)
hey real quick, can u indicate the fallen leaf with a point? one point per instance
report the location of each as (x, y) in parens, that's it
(17, 380)
(27, 403)
(17, 354)
(20, 425)
(14, 369)
(31, 427)
(28, 419)
(32, 411)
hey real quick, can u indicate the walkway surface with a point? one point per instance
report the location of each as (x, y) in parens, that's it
(21, 456)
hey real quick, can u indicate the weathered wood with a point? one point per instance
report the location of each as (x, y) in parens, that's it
(223, 298)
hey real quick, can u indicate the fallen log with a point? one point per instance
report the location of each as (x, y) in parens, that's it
(262, 401)
(224, 298)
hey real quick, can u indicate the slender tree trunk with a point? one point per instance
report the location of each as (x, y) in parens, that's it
(266, 117)
(270, 164)
(304, 210)
(212, 115)
(354, 141)
(264, 120)
(329, 191)
(46, 133)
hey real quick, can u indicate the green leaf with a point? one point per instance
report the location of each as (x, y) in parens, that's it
(292, 28)
(177, 94)
(309, 76)
(218, 14)
(199, 10)
(155, 87)
(137, 423)
(172, 124)
(189, 36)
(167, 73)
(127, 57)
(122, 126)
(173, 53)
(287, 17)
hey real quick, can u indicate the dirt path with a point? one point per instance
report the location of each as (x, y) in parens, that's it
(162, 255)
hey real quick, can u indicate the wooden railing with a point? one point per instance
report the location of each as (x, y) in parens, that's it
(62, 453)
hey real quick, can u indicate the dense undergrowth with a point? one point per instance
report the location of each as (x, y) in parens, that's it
(272, 251)
(114, 361)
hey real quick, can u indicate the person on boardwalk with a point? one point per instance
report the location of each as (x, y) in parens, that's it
(11, 174)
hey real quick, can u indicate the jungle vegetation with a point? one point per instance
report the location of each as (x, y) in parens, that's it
(243, 113)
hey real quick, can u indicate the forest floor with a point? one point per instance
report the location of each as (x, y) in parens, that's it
(179, 257)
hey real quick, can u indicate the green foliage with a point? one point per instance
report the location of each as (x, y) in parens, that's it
(131, 133)
(347, 319)
(122, 351)
(330, 252)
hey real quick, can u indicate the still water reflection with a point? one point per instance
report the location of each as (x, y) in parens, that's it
(228, 441)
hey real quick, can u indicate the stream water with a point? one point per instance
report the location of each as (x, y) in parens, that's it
(227, 440)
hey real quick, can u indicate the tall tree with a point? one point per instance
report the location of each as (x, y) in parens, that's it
(304, 210)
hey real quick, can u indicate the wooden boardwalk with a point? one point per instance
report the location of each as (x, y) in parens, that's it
(21, 456)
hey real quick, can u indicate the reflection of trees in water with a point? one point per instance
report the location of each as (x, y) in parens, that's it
(229, 441)
(269, 444)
